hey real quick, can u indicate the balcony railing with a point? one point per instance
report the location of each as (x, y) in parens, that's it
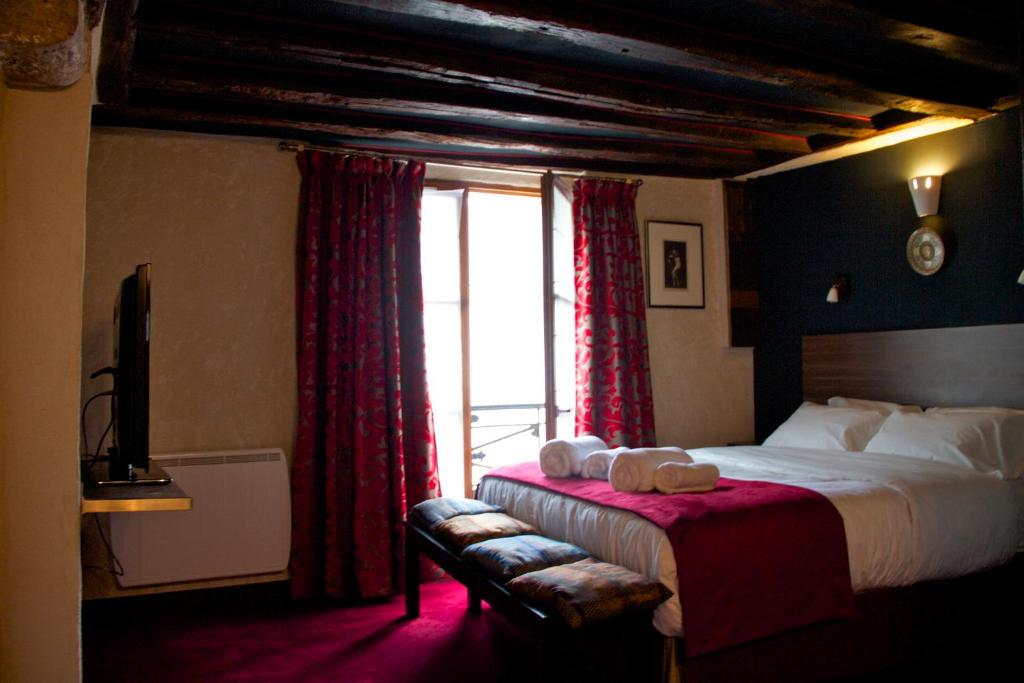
(504, 434)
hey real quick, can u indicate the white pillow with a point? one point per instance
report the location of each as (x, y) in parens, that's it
(991, 410)
(825, 427)
(986, 440)
(883, 407)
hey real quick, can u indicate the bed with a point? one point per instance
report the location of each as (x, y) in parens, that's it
(930, 543)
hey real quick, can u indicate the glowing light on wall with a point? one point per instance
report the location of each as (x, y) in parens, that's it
(925, 190)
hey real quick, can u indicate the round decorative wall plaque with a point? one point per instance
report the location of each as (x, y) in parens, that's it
(925, 251)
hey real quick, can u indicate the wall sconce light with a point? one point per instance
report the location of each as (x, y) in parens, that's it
(924, 190)
(840, 290)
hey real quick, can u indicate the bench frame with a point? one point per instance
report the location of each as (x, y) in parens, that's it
(548, 632)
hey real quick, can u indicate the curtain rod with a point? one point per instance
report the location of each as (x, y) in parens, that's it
(285, 146)
(492, 169)
(631, 181)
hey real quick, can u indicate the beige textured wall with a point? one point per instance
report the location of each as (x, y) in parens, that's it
(44, 140)
(703, 389)
(216, 217)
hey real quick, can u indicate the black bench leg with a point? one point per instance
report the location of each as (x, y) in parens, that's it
(546, 649)
(474, 602)
(412, 576)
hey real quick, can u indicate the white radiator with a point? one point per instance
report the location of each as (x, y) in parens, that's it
(239, 524)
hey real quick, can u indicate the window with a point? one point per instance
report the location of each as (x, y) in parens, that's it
(498, 297)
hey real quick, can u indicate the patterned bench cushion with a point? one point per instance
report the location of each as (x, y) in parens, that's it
(589, 591)
(430, 513)
(465, 530)
(507, 558)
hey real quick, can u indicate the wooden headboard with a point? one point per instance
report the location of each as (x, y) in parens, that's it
(945, 366)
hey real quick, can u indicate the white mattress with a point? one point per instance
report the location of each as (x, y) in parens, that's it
(906, 519)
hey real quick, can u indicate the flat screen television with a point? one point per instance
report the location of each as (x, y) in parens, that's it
(128, 459)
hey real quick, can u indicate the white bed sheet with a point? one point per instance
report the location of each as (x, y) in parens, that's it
(906, 519)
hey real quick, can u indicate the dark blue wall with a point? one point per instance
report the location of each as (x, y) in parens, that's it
(854, 216)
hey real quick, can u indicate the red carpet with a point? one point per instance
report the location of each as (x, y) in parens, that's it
(256, 633)
(262, 636)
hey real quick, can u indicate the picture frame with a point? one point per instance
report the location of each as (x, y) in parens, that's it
(675, 264)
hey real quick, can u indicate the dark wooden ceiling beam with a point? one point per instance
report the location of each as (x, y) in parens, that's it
(853, 19)
(113, 78)
(340, 49)
(661, 40)
(820, 142)
(436, 134)
(391, 142)
(678, 88)
(891, 118)
(989, 21)
(412, 99)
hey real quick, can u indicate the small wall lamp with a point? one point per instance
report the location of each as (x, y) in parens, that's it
(924, 190)
(840, 290)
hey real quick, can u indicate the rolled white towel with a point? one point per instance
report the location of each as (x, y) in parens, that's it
(564, 457)
(633, 469)
(597, 464)
(677, 477)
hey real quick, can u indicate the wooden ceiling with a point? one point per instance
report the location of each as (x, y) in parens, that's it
(698, 88)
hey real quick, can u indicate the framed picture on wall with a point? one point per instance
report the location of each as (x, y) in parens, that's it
(675, 265)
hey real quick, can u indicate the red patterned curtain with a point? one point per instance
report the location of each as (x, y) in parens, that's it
(613, 374)
(364, 449)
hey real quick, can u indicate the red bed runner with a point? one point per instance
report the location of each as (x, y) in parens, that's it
(770, 557)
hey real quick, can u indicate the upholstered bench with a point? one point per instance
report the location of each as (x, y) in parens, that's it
(549, 588)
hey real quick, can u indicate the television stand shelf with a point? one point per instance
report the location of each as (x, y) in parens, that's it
(132, 498)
